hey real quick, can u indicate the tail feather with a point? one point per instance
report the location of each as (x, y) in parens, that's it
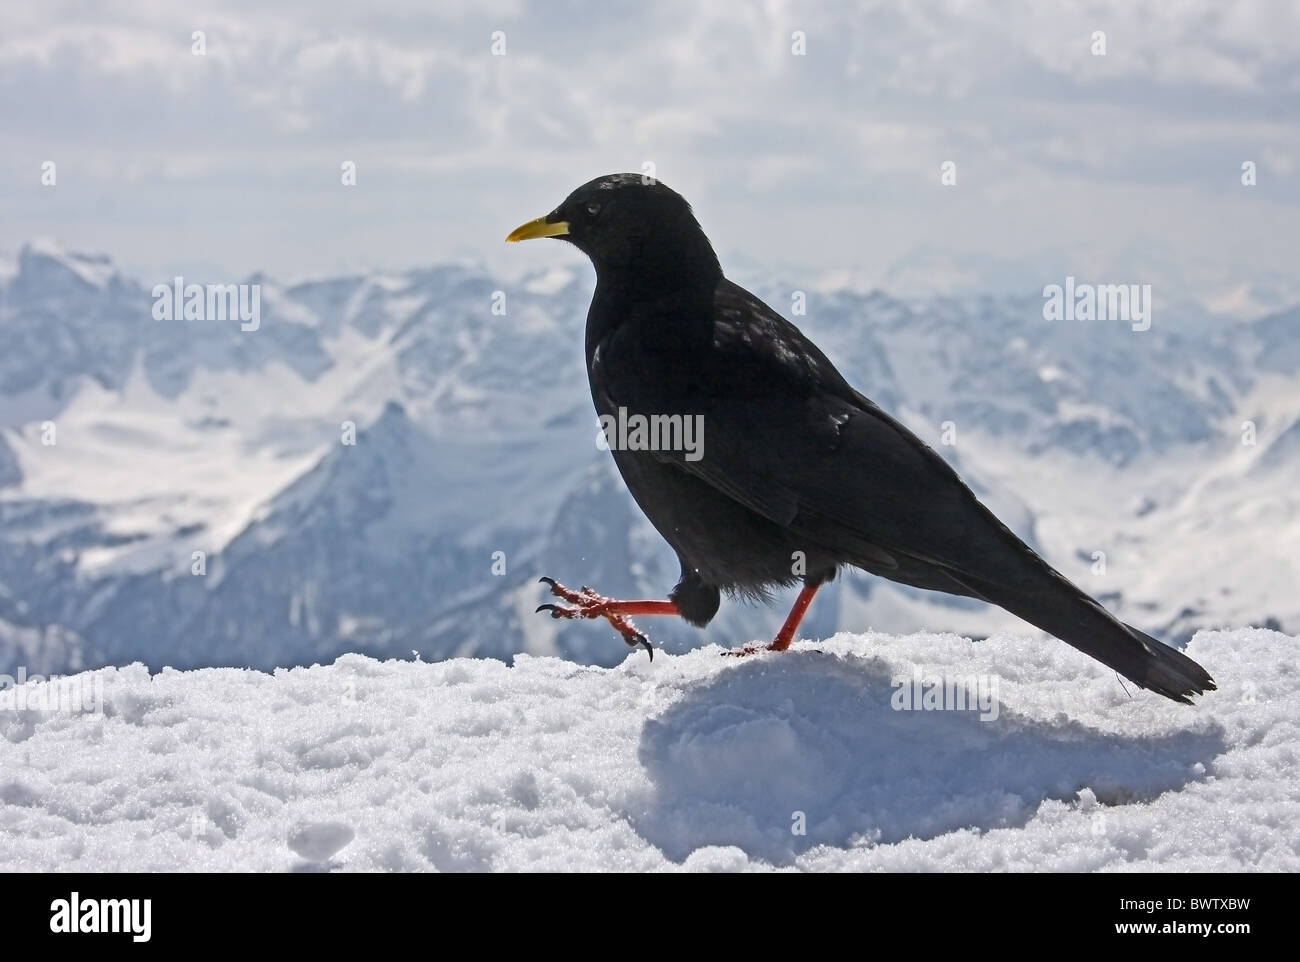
(1170, 672)
(1045, 598)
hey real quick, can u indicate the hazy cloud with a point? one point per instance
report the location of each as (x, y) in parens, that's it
(829, 160)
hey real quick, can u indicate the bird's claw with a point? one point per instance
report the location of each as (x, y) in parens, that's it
(586, 597)
(591, 605)
(639, 639)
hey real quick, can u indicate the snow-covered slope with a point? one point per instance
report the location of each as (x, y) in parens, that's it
(183, 493)
(693, 761)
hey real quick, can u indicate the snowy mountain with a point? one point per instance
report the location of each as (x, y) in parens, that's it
(389, 462)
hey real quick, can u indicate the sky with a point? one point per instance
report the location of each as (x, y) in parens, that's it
(466, 118)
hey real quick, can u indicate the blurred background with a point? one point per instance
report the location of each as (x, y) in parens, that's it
(909, 176)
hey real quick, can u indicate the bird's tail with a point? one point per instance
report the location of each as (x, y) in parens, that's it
(1170, 672)
(1052, 603)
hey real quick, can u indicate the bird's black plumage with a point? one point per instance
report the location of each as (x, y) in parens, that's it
(796, 466)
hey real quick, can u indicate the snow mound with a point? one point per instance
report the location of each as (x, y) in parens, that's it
(795, 760)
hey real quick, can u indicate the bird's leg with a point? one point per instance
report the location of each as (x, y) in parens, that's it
(786, 635)
(588, 604)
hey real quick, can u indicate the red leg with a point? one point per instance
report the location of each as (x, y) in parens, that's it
(591, 605)
(786, 635)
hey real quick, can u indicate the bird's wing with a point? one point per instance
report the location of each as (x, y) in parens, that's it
(785, 435)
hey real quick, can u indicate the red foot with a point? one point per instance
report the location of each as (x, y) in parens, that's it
(591, 605)
(786, 635)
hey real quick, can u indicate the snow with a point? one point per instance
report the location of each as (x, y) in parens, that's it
(94, 269)
(155, 469)
(691, 762)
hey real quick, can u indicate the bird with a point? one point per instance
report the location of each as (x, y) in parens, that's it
(797, 475)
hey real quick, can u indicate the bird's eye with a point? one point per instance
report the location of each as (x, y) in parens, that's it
(593, 208)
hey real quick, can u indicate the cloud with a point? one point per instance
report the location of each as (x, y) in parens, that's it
(154, 142)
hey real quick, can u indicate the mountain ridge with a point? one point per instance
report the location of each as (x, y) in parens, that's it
(475, 467)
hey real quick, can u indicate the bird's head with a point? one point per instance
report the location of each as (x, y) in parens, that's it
(627, 223)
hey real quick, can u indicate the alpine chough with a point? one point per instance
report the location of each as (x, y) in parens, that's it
(797, 474)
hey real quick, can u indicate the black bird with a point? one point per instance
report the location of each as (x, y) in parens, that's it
(798, 474)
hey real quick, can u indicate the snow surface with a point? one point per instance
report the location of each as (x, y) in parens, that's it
(691, 761)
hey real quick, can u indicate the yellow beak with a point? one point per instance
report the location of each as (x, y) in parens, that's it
(539, 228)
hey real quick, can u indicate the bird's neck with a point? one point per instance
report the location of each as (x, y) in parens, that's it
(659, 264)
(672, 308)
(647, 273)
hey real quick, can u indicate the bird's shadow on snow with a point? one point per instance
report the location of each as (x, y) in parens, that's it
(811, 741)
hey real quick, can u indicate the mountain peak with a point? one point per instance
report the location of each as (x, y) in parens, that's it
(44, 256)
